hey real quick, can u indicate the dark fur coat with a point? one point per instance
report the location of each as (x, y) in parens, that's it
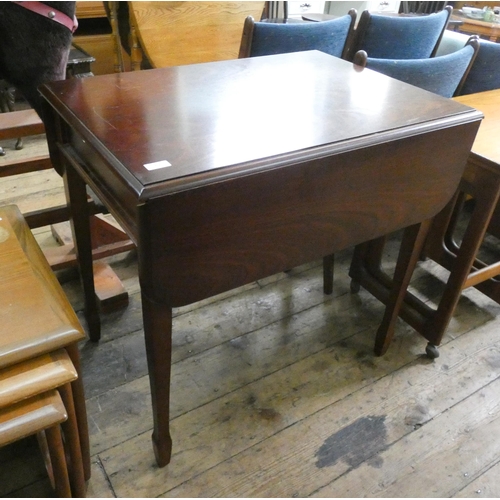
(33, 48)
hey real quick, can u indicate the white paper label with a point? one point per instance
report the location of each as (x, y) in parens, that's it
(157, 164)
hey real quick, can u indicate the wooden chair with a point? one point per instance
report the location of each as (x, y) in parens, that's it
(37, 376)
(41, 321)
(40, 414)
(484, 74)
(178, 33)
(443, 75)
(263, 38)
(400, 36)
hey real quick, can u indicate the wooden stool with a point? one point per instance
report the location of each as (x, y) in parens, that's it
(41, 413)
(35, 315)
(37, 376)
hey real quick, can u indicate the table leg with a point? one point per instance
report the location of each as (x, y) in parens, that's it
(58, 462)
(79, 215)
(72, 439)
(158, 337)
(409, 254)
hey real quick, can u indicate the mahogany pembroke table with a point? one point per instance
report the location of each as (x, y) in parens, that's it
(224, 173)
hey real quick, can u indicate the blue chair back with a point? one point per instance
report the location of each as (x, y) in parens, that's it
(267, 38)
(442, 75)
(400, 36)
(484, 73)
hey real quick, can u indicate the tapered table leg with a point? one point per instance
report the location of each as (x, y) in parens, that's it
(80, 225)
(158, 338)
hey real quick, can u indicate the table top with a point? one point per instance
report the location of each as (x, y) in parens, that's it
(187, 124)
(275, 161)
(39, 321)
(486, 144)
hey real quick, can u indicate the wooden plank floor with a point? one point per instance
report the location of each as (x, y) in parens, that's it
(276, 392)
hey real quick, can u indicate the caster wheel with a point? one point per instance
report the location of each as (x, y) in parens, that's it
(432, 351)
(19, 144)
(2, 152)
(355, 286)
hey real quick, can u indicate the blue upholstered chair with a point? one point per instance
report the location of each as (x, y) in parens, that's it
(399, 36)
(484, 73)
(443, 75)
(266, 38)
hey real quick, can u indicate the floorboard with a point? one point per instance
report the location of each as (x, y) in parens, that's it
(276, 391)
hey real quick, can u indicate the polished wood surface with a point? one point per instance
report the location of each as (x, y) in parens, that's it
(486, 143)
(35, 376)
(240, 201)
(175, 33)
(23, 267)
(31, 416)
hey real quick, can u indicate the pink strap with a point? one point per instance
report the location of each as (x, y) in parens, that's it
(50, 13)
